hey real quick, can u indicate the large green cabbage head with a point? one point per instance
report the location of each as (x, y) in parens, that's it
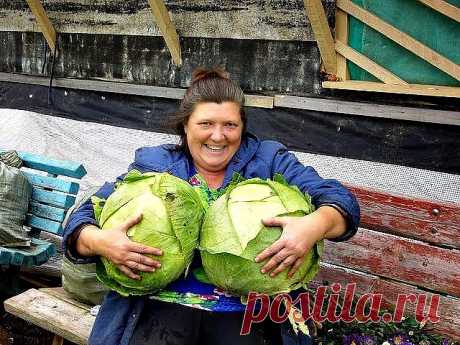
(172, 216)
(233, 234)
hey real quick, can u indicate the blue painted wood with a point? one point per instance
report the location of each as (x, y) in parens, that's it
(53, 198)
(52, 183)
(38, 253)
(44, 224)
(53, 166)
(5, 257)
(47, 211)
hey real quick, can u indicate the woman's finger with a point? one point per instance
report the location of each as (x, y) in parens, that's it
(136, 266)
(143, 249)
(295, 267)
(274, 221)
(142, 259)
(284, 265)
(270, 251)
(128, 272)
(275, 260)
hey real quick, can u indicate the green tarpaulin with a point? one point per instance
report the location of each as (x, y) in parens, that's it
(426, 25)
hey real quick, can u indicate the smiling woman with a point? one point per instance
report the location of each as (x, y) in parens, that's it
(214, 147)
(214, 134)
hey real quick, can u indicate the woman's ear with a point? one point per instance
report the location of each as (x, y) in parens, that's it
(185, 128)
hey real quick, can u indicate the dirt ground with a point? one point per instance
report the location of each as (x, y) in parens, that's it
(19, 332)
(15, 331)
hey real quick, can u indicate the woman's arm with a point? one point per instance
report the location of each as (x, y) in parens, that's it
(324, 192)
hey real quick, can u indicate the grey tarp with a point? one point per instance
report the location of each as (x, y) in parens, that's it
(15, 192)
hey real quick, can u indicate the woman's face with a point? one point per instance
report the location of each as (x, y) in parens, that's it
(214, 135)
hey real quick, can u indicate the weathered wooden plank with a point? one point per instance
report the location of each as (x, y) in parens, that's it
(424, 220)
(258, 101)
(63, 295)
(398, 258)
(256, 19)
(449, 307)
(47, 211)
(443, 7)
(44, 224)
(43, 22)
(411, 89)
(125, 88)
(53, 198)
(369, 109)
(341, 34)
(323, 36)
(367, 64)
(59, 317)
(52, 183)
(167, 28)
(403, 39)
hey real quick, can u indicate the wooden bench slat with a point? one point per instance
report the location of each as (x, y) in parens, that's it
(39, 252)
(407, 260)
(63, 295)
(47, 211)
(424, 220)
(53, 166)
(51, 313)
(53, 198)
(52, 183)
(449, 307)
(44, 224)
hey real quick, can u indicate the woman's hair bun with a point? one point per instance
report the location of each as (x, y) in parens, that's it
(201, 73)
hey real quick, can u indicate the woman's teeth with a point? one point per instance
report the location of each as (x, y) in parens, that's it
(215, 148)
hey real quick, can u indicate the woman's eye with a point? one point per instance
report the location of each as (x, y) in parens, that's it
(205, 124)
(232, 125)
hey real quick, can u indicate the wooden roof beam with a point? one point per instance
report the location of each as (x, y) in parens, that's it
(403, 39)
(341, 34)
(167, 28)
(317, 16)
(411, 89)
(367, 64)
(43, 22)
(443, 7)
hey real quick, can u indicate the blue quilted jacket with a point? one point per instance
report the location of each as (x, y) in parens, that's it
(118, 315)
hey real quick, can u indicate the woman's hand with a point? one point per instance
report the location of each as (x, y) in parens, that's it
(298, 237)
(115, 245)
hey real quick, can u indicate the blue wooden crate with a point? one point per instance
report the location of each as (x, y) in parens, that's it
(51, 197)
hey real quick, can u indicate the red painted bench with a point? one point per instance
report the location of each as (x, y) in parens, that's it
(404, 246)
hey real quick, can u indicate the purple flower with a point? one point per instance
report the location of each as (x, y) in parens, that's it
(356, 339)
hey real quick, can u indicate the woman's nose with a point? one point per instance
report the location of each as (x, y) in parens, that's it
(217, 134)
